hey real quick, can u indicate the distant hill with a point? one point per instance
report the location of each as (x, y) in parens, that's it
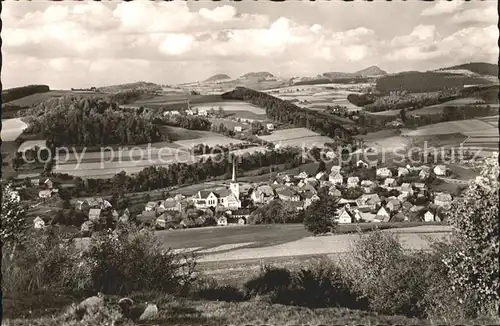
(370, 71)
(140, 85)
(481, 68)
(416, 82)
(258, 75)
(12, 94)
(218, 77)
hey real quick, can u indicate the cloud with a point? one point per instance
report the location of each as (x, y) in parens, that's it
(487, 15)
(441, 7)
(219, 14)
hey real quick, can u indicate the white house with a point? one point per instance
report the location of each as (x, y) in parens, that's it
(38, 223)
(382, 215)
(428, 217)
(320, 176)
(270, 126)
(302, 175)
(151, 206)
(335, 169)
(384, 173)
(222, 221)
(390, 182)
(440, 170)
(344, 216)
(49, 183)
(95, 214)
(402, 172)
(335, 178)
(238, 129)
(368, 186)
(423, 174)
(262, 194)
(361, 163)
(406, 189)
(352, 182)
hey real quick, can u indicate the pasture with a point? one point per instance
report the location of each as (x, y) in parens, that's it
(296, 137)
(208, 138)
(12, 128)
(450, 127)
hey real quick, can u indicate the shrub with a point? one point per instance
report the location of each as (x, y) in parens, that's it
(133, 260)
(212, 290)
(319, 216)
(270, 279)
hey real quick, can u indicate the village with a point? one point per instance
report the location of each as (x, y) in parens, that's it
(364, 193)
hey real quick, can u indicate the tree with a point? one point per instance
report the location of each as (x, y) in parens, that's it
(14, 225)
(474, 268)
(319, 216)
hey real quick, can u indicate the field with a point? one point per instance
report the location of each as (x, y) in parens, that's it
(450, 127)
(12, 128)
(296, 137)
(317, 97)
(41, 97)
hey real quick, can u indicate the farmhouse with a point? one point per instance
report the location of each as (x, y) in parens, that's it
(302, 175)
(384, 173)
(440, 170)
(361, 163)
(345, 216)
(95, 214)
(287, 194)
(222, 221)
(38, 223)
(335, 178)
(151, 206)
(262, 194)
(368, 186)
(402, 172)
(170, 204)
(382, 215)
(406, 189)
(335, 169)
(309, 198)
(393, 205)
(35, 182)
(352, 182)
(428, 217)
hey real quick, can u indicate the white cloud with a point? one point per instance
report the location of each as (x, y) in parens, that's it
(487, 15)
(440, 7)
(219, 14)
(176, 44)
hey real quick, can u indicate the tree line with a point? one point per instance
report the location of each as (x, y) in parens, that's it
(450, 113)
(89, 122)
(287, 112)
(15, 93)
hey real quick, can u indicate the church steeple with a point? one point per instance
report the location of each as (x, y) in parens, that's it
(235, 186)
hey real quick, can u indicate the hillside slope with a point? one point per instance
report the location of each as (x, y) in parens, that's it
(481, 68)
(217, 78)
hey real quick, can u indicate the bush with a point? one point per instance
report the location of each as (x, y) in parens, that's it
(270, 279)
(133, 260)
(212, 290)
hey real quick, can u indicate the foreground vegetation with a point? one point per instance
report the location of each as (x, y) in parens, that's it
(378, 282)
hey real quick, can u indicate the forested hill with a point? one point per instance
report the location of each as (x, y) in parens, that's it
(287, 112)
(481, 68)
(12, 94)
(70, 121)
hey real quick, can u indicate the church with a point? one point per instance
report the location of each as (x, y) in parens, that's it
(227, 198)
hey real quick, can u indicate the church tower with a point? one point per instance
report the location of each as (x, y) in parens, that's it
(235, 186)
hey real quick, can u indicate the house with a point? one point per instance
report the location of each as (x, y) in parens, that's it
(443, 200)
(241, 215)
(423, 174)
(151, 206)
(406, 206)
(308, 188)
(384, 173)
(269, 126)
(35, 182)
(440, 170)
(311, 182)
(428, 217)
(361, 163)
(369, 217)
(344, 216)
(87, 228)
(287, 194)
(382, 215)
(402, 197)
(222, 221)
(262, 194)
(368, 202)
(189, 112)
(45, 194)
(161, 223)
(203, 112)
(48, 183)
(352, 182)
(238, 129)
(393, 205)
(325, 183)
(335, 169)
(187, 223)
(390, 182)
(95, 214)
(335, 178)
(301, 175)
(309, 198)
(38, 223)
(406, 189)
(147, 217)
(170, 204)
(368, 186)
(420, 186)
(402, 172)
(224, 197)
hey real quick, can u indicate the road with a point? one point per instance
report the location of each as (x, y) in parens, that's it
(456, 181)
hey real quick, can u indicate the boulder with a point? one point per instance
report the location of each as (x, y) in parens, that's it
(90, 304)
(151, 312)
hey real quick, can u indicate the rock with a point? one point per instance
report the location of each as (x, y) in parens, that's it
(89, 304)
(151, 312)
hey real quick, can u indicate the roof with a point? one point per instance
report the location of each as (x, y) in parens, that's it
(367, 183)
(222, 193)
(240, 212)
(151, 204)
(417, 208)
(336, 175)
(204, 193)
(352, 179)
(95, 211)
(265, 189)
(286, 192)
(170, 202)
(442, 167)
(389, 180)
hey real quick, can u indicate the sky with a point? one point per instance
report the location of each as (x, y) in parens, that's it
(83, 44)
